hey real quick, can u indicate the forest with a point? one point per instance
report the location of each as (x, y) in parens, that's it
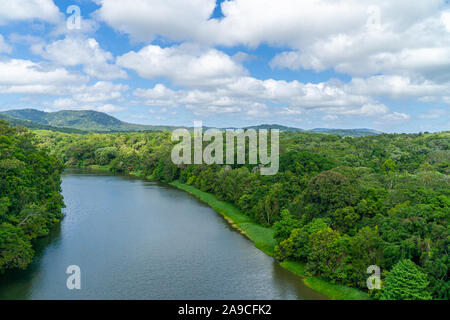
(337, 204)
(30, 199)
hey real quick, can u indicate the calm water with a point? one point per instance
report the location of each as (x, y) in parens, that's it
(140, 240)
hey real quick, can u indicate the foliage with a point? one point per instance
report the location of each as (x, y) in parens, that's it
(30, 199)
(406, 282)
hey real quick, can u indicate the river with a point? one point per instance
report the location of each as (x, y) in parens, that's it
(134, 239)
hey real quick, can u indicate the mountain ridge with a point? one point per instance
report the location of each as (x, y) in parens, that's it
(95, 121)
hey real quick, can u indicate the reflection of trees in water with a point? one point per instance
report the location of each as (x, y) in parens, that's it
(17, 284)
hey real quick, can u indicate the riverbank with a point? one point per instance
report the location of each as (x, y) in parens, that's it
(263, 239)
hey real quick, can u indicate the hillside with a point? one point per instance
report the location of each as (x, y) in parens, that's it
(37, 126)
(85, 120)
(94, 121)
(348, 132)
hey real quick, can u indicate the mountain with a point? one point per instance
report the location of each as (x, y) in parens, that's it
(36, 126)
(85, 120)
(275, 126)
(348, 132)
(88, 120)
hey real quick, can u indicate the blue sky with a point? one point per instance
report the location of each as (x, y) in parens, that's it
(350, 64)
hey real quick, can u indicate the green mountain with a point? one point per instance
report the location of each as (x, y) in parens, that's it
(37, 126)
(81, 120)
(348, 132)
(94, 121)
(337, 132)
(275, 126)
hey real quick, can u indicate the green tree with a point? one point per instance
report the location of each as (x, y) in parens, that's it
(406, 282)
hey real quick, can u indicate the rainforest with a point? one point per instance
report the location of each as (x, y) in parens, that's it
(336, 206)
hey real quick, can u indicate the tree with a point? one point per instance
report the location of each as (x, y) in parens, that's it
(389, 166)
(329, 191)
(406, 282)
(283, 228)
(345, 220)
(328, 256)
(15, 248)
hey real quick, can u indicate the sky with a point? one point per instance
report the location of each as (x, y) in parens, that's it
(376, 64)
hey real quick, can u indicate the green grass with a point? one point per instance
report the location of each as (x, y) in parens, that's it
(263, 239)
(295, 267)
(335, 291)
(331, 290)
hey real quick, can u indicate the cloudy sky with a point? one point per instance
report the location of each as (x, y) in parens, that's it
(377, 64)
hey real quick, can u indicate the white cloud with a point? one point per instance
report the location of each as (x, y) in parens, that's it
(185, 64)
(100, 91)
(445, 18)
(144, 20)
(73, 51)
(159, 95)
(100, 96)
(330, 117)
(367, 110)
(396, 117)
(24, 76)
(250, 96)
(4, 47)
(71, 104)
(20, 10)
(400, 88)
(87, 26)
(412, 38)
(357, 37)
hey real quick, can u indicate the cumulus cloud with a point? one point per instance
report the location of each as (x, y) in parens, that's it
(100, 96)
(100, 91)
(72, 104)
(20, 10)
(144, 20)
(25, 76)
(73, 51)
(356, 37)
(185, 64)
(397, 117)
(401, 88)
(415, 41)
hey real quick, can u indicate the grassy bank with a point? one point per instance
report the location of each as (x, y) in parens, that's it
(261, 236)
(333, 291)
(263, 239)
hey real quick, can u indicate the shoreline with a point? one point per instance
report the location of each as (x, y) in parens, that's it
(262, 237)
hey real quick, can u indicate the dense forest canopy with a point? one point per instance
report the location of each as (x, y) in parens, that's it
(337, 204)
(30, 199)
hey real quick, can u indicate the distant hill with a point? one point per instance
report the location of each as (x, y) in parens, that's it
(36, 126)
(337, 132)
(81, 120)
(94, 121)
(348, 132)
(275, 126)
